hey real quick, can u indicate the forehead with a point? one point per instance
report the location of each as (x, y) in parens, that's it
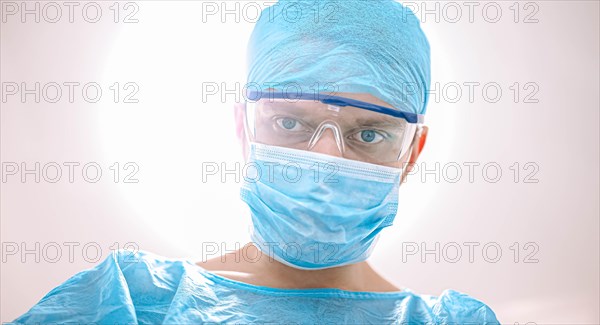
(315, 110)
(364, 97)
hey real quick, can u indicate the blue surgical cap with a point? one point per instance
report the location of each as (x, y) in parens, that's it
(352, 46)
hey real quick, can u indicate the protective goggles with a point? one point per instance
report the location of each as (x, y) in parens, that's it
(362, 131)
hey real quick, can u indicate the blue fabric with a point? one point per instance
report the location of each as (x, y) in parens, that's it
(150, 289)
(313, 220)
(355, 46)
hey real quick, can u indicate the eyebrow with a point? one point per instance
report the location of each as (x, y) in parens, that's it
(283, 104)
(383, 121)
(298, 108)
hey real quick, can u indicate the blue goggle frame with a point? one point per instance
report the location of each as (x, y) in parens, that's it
(336, 101)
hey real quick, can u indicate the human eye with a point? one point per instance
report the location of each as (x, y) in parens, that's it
(369, 136)
(290, 124)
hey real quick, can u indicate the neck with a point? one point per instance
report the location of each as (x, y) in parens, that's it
(353, 277)
(245, 265)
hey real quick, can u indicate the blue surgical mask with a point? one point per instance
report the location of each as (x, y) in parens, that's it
(315, 211)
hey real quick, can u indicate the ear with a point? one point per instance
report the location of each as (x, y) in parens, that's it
(240, 126)
(415, 150)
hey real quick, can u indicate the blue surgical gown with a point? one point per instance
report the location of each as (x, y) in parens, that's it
(144, 288)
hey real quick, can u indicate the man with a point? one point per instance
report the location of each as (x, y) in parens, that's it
(336, 102)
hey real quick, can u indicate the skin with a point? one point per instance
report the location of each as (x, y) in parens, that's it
(241, 265)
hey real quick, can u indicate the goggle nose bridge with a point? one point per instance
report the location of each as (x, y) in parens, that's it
(328, 125)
